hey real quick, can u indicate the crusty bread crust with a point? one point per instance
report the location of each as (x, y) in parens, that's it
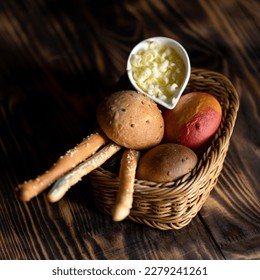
(131, 119)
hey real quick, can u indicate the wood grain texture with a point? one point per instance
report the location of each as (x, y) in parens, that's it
(58, 60)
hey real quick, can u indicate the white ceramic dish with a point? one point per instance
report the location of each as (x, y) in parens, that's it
(171, 101)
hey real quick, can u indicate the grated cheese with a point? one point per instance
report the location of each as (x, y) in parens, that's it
(158, 70)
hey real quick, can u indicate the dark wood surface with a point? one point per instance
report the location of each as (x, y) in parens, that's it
(57, 60)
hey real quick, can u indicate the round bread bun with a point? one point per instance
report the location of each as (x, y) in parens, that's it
(193, 121)
(166, 162)
(131, 119)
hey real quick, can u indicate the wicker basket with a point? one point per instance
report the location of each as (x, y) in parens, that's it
(173, 205)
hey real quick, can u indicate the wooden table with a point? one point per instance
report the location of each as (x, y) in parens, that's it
(58, 59)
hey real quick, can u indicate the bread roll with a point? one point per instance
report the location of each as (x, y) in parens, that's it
(131, 120)
(165, 163)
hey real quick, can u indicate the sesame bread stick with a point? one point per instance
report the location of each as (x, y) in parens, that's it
(126, 188)
(72, 177)
(73, 157)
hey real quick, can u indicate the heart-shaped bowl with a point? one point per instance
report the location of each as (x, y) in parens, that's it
(159, 67)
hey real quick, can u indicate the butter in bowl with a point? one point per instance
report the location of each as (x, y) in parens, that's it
(159, 67)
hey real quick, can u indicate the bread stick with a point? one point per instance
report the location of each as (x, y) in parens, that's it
(73, 157)
(127, 172)
(71, 178)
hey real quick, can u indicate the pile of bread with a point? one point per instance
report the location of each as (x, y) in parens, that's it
(155, 144)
